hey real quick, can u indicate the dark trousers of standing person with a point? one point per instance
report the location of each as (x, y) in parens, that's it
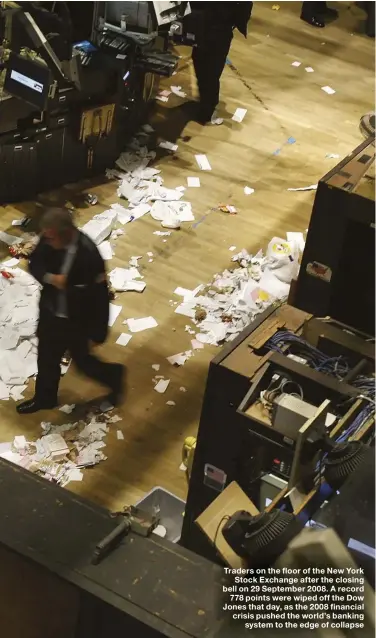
(56, 336)
(313, 9)
(209, 60)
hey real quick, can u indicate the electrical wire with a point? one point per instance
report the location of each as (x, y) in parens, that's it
(224, 518)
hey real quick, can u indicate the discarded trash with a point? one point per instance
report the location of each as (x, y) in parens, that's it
(203, 162)
(239, 115)
(162, 386)
(91, 199)
(296, 63)
(313, 187)
(309, 69)
(248, 190)
(138, 325)
(328, 89)
(193, 182)
(123, 339)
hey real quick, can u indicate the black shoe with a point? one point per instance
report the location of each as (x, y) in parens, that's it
(118, 385)
(34, 405)
(314, 21)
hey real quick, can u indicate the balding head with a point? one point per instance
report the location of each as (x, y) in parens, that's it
(57, 227)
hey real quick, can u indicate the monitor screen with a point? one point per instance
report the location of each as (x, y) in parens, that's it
(28, 80)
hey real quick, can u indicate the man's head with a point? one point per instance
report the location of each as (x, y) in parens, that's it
(57, 227)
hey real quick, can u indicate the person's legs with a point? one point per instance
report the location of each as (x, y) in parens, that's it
(108, 374)
(209, 60)
(52, 342)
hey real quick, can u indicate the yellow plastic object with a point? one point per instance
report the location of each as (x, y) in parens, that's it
(188, 451)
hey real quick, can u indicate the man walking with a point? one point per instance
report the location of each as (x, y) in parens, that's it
(215, 22)
(73, 312)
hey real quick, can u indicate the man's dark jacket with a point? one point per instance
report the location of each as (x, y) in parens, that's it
(87, 300)
(217, 14)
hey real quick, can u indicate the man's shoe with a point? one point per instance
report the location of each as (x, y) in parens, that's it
(314, 21)
(33, 405)
(118, 385)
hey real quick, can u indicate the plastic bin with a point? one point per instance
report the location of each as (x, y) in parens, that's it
(170, 509)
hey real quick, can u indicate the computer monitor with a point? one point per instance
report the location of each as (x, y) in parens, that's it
(28, 80)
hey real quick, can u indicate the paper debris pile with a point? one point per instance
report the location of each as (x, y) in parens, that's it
(143, 187)
(222, 309)
(19, 310)
(62, 450)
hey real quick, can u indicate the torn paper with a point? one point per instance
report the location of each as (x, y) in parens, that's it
(119, 435)
(203, 162)
(162, 386)
(193, 182)
(169, 146)
(138, 325)
(239, 115)
(328, 89)
(296, 63)
(248, 190)
(123, 339)
(105, 250)
(114, 313)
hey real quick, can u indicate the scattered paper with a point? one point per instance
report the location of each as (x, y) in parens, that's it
(150, 254)
(232, 248)
(114, 313)
(169, 146)
(123, 339)
(329, 156)
(298, 239)
(181, 189)
(179, 359)
(248, 190)
(313, 187)
(162, 98)
(296, 63)
(182, 389)
(119, 435)
(156, 367)
(11, 263)
(203, 162)
(171, 403)
(9, 239)
(162, 233)
(239, 115)
(182, 467)
(67, 409)
(197, 345)
(193, 182)
(178, 91)
(162, 386)
(105, 250)
(17, 222)
(328, 90)
(309, 69)
(138, 325)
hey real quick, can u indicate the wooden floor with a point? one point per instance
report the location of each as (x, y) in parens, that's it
(282, 102)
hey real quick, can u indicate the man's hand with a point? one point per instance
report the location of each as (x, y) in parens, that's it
(59, 281)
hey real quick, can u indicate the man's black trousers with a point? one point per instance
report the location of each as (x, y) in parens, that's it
(209, 59)
(56, 336)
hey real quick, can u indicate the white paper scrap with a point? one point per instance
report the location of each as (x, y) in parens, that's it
(232, 248)
(156, 367)
(309, 69)
(67, 409)
(239, 115)
(119, 435)
(298, 239)
(296, 63)
(203, 162)
(193, 182)
(162, 98)
(183, 389)
(171, 403)
(114, 313)
(328, 89)
(138, 325)
(162, 386)
(9, 239)
(178, 359)
(105, 250)
(181, 189)
(248, 190)
(123, 339)
(169, 146)
(328, 155)
(313, 187)
(11, 263)
(197, 345)
(150, 254)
